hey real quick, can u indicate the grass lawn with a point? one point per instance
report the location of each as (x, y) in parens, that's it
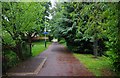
(39, 47)
(95, 65)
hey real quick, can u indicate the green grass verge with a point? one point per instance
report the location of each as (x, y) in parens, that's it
(39, 47)
(95, 65)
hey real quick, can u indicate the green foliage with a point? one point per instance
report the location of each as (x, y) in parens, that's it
(25, 50)
(7, 38)
(21, 21)
(11, 59)
(22, 17)
(91, 24)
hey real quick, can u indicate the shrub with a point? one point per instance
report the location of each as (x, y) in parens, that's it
(11, 59)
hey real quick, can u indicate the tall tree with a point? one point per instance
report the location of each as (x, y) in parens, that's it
(21, 21)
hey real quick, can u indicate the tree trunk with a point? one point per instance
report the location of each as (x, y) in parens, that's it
(19, 50)
(4, 64)
(58, 39)
(95, 44)
(30, 43)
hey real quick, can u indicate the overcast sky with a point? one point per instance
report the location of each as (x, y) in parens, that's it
(53, 3)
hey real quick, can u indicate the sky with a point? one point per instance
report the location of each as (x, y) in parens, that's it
(53, 3)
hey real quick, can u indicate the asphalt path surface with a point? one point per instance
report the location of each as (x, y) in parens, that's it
(61, 62)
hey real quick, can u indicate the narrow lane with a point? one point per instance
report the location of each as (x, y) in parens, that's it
(61, 62)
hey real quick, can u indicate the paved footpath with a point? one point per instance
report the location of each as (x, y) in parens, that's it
(60, 62)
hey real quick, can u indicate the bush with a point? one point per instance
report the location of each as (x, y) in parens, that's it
(11, 59)
(80, 46)
(25, 50)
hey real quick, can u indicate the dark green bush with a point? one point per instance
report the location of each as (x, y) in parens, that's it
(25, 50)
(80, 46)
(11, 59)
